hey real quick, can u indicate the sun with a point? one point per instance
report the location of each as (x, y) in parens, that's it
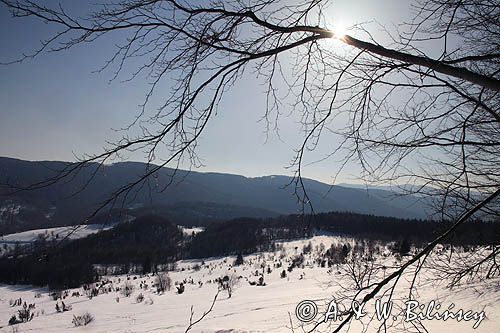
(339, 30)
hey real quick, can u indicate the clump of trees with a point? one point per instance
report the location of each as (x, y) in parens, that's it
(337, 254)
(163, 282)
(71, 264)
(248, 235)
(402, 247)
(126, 248)
(56, 271)
(239, 260)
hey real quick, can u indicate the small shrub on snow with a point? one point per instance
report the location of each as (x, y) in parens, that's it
(139, 298)
(82, 320)
(13, 320)
(56, 295)
(261, 281)
(180, 288)
(163, 282)
(127, 289)
(92, 292)
(239, 260)
(24, 315)
(228, 283)
(63, 307)
(15, 302)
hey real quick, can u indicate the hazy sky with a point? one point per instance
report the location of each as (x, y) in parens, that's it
(53, 107)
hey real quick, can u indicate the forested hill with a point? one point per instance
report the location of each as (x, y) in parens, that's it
(143, 242)
(192, 197)
(152, 242)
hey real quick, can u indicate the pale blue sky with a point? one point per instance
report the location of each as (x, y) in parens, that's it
(54, 106)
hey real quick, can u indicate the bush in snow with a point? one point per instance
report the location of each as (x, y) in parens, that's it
(82, 320)
(307, 248)
(163, 282)
(16, 302)
(13, 320)
(63, 307)
(24, 315)
(180, 288)
(56, 295)
(228, 283)
(402, 247)
(127, 289)
(91, 292)
(261, 281)
(239, 260)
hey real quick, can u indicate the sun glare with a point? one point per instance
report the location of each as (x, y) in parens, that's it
(339, 30)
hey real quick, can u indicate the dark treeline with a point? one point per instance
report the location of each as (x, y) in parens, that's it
(146, 242)
(474, 232)
(243, 236)
(249, 235)
(149, 242)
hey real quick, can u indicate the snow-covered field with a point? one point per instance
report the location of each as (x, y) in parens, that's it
(252, 308)
(72, 232)
(192, 230)
(7, 242)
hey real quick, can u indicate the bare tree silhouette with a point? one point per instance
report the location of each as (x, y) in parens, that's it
(432, 122)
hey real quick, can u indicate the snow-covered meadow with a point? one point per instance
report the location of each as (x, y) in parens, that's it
(251, 308)
(8, 242)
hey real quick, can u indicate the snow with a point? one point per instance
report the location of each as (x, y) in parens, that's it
(12, 209)
(269, 308)
(7, 212)
(190, 231)
(50, 233)
(30, 236)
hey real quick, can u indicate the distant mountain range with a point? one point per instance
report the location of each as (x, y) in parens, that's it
(192, 198)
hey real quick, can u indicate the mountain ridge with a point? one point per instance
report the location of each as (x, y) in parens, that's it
(58, 204)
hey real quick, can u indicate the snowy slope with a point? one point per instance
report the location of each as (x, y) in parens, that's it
(269, 308)
(26, 237)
